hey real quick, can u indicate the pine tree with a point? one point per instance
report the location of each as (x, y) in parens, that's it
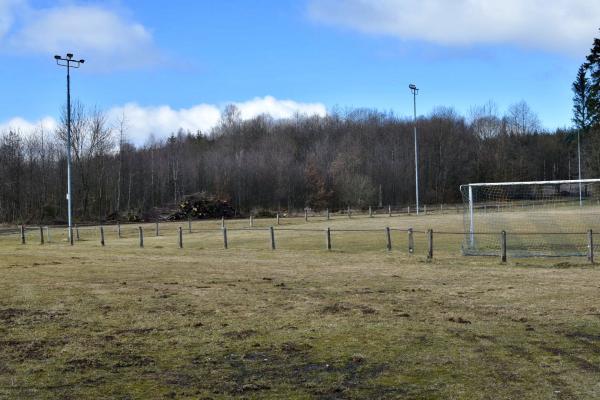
(581, 100)
(593, 67)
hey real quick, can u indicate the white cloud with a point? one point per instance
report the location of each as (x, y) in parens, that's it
(278, 109)
(23, 126)
(161, 121)
(89, 31)
(567, 26)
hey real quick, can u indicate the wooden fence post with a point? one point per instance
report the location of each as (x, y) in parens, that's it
(430, 244)
(328, 238)
(180, 237)
(101, 235)
(503, 246)
(389, 238)
(590, 246)
(411, 241)
(272, 238)
(41, 235)
(70, 233)
(141, 230)
(157, 229)
(225, 238)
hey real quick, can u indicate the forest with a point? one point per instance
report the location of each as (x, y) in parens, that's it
(355, 157)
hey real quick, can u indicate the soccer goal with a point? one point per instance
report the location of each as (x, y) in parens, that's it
(544, 218)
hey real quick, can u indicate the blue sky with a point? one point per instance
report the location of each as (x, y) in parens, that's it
(165, 65)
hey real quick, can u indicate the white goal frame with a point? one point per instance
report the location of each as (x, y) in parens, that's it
(471, 205)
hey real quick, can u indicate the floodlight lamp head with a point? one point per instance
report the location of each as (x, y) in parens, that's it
(69, 55)
(57, 57)
(412, 86)
(81, 61)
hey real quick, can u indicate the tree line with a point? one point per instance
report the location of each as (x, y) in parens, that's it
(355, 157)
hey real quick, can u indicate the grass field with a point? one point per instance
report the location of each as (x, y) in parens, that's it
(122, 322)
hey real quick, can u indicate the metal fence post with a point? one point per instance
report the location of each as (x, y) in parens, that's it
(190, 224)
(77, 233)
(118, 230)
(272, 237)
(328, 238)
(430, 244)
(48, 234)
(411, 241)
(390, 210)
(389, 238)
(349, 212)
(71, 235)
(327, 214)
(251, 221)
(503, 246)
(22, 234)
(41, 235)
(101, 235)
(370, 212)
(277, 218)
(141, 230)
(157, 229)
(305, 215)
(180, 237)
(225, 238)
(590, 246)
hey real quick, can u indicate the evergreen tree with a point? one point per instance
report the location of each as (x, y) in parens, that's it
(593, 67)
(581, 100)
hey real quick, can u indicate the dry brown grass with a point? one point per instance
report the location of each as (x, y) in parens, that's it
(298, 322)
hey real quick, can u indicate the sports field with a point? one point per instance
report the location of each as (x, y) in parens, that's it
(358, 321)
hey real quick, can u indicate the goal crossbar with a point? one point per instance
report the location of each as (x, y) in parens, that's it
(532, 183)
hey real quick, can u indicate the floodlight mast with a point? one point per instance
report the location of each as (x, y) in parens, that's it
(413, 88)
(69, 63)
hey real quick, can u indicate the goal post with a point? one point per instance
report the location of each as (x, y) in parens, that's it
(546, 218)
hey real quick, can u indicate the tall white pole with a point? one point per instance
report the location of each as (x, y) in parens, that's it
(69, 206)
(414, 90)
(579, 168)
(471, 220)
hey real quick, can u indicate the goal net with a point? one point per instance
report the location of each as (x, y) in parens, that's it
(546, 218)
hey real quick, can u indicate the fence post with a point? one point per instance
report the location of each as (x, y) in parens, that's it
(305, 215)
(442, 208)
(370, 212)
(225, 238)
(411, 241)
(41, 235)
(590, 246)
(272, 238)
(157, 229)
(430, 244)
(48, 233)
(328, 238)
(408, 210)
(277, 218)
(349, 212)
(180, 237)
(118, 230)
(222, 222)
(251, 221)
(327, 213)
(389, 238)
(425, 209)
(190, 224)
(77, 233)
(101, 235)
(70, 232)
(390, 210)
(141, 236)
(22, 234)
(503, 246)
